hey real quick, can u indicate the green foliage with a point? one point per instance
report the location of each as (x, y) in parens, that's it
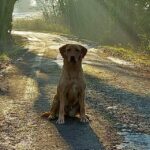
(17, 50)
(7, 55)
(4, 56)
(124, 22)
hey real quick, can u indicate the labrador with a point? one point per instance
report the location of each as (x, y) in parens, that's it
(70, 97)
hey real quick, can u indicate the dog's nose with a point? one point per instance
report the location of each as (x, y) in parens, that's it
(72, 58)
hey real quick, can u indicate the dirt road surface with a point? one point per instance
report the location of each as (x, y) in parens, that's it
(117, 101)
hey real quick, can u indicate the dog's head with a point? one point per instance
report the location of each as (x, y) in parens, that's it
(73, 52)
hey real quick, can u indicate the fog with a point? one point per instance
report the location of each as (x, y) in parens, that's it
(25, 6)
(109, 22)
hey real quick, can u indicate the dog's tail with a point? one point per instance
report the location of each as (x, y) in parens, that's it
(45, 115)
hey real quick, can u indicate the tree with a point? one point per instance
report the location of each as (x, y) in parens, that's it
(6, 10)
(125, 22)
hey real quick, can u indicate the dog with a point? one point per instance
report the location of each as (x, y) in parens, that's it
(70, 97)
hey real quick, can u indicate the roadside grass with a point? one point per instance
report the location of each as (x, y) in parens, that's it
(134, 56)
(4, 56)
(39, 24)
(17, 50)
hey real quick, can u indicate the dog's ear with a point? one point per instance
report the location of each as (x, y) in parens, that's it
(83, 51)
(62, 50)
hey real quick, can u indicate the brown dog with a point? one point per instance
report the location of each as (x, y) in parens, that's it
(70, 96)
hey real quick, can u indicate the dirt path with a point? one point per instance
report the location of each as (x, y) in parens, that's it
(117, 102)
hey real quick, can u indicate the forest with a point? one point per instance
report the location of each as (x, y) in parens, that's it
(106, 21)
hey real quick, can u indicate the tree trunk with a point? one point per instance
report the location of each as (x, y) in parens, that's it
(6, 10)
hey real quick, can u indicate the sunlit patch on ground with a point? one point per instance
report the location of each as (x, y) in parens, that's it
(50, 53)
(116, 76)
(41, 75)
(119, 61)
(24, 85)
(14, 114)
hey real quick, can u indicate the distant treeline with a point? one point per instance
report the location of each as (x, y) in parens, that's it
(124, 22)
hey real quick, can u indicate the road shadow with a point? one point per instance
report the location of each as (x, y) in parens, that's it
(77, 135)
(141, 104)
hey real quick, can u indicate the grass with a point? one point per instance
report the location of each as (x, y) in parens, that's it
(8, 55)
(136, 57)
(38, 24)
(16, 51)
(4, 57)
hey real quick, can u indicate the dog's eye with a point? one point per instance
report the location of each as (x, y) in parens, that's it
(68, 50)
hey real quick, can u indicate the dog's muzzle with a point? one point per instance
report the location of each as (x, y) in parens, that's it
(73, 59)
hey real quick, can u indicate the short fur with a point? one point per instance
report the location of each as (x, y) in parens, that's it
(70, 96)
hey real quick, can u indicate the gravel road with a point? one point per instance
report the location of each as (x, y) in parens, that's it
(117, 101)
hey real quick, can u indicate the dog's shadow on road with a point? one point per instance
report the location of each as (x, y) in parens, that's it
(79, 136)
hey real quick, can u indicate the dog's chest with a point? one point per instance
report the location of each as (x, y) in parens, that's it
(72, 91)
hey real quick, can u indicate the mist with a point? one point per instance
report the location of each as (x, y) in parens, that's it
(108, 22)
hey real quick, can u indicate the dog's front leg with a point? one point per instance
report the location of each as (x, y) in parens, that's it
(83, 117)
(61, 110)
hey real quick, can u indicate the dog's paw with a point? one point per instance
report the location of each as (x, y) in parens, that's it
(84, 119)
(51, 117)
(60, 120)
